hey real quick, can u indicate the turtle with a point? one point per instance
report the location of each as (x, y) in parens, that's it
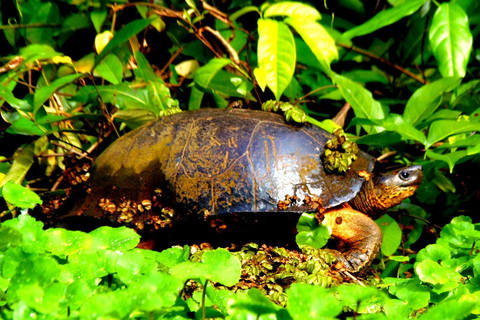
(209, 164)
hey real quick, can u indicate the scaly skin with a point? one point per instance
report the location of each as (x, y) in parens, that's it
(359, 232)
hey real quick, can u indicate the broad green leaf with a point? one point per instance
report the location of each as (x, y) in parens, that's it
(317, 39)
(121, 238)
(363, 299)
(196, 97)
(44, 12)
(442, 129)
(98, 16)
(122, 36)
(20, 196)
(312, 302)
(44, 93)
(310, 232)
(206, 73)
(359, 98)
(450, 158)
(395, 123)
(411, 291)
(435, 252)
(432, 272)
(276, 54)
(392, 234)
(450, 309)
(425, 100)
(451, 39)
(61, 242)
(18, 104)
(110, 69)
(21, 125)
(292, 9)
(218, 265)
(384, 18)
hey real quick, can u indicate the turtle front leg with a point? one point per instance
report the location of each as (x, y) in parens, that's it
(358, 232)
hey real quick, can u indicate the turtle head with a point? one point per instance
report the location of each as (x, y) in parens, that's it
(387, 190)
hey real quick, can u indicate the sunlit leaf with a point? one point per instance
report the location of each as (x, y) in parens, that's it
(20, 196)
(389, 227)
(205, 74)
(276, 54)
(22, 163)
(110, 69)
(317, 39)
(310, 232)
(451, 39)
(442, 129)
(450, 158)
(425, 100)
(312, 302)
(98, 17)
(384, 18)
(292, 9)
(361, 100)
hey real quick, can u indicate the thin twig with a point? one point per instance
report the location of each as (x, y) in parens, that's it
(384, 61)
(30, 25)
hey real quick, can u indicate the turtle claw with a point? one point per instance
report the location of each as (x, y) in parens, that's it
(352, 261)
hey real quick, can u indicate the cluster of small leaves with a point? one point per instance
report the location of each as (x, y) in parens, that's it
(290, 111)
(339, 153)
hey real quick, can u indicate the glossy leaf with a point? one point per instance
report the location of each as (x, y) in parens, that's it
(310, 232)
(121, 238)
(450, 158)
(451, 39)
(425, 100)
(312, 302)
(20, 196)
(317, 39)
(98, 17)
(361, 100)
(292, 9)
(218, 265)
(205, 74)
(276, 54)
(110, 69)
(384, 18)
(442, 129)
(18, 104)
(389, 227)
(395, 123)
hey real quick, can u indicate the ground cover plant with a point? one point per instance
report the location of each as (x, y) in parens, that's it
(401, 78)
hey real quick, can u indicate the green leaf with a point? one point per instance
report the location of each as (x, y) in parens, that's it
(134, 118)
(312, 302)
(359, 98)
(63, 242)
(20, 196)
(442, 129)
(276, 54)
(451, 309)
(395, 123)
(122, 36)
(425, 100)
(205, 74)
(292, 9)
(110, 69)
(310, 232)
(451, 39)
(450, 158)
(317, 39)
(432, 272)
(42, 94)
(98, 17)
(392, 234)
(218, 265)
(410, 291)
(435, 252)
(384, 18)
(121, 238)
(18, 104)
(196, 97)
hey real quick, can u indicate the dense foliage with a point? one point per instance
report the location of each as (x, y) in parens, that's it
(401, 77)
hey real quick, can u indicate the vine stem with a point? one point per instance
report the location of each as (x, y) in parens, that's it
(384, 61)
(204, 293)
(30, 25)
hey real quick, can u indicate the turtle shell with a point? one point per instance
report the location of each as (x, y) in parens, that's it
(218, 161)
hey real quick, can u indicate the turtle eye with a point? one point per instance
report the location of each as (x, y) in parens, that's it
(404, 175)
